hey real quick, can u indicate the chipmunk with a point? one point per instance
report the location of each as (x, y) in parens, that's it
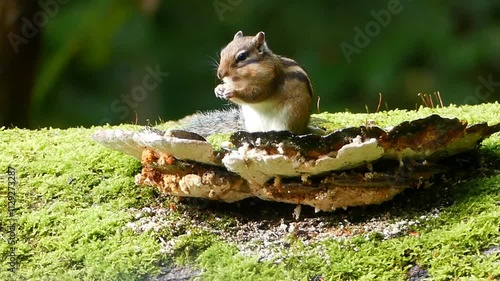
(272, 92)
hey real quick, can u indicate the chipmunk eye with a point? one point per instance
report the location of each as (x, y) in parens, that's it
(241, 57)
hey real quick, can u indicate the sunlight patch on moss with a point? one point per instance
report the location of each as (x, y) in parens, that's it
(333, 121)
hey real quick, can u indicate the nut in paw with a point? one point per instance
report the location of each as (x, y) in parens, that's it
(223, 92)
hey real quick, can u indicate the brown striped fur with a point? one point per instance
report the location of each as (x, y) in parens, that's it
(274, 92)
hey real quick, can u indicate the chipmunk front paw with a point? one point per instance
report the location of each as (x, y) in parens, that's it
(224, 92)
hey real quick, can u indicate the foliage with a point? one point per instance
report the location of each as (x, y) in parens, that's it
(97, 52)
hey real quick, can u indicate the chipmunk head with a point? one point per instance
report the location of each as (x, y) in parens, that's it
(241, 58)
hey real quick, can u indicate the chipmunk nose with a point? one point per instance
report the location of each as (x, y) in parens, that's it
(221, 73)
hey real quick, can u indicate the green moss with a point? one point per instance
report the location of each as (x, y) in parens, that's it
(72, 197)
(488, 113)
(190, 245)
(217, 140)
(222, 262)
(74, 200)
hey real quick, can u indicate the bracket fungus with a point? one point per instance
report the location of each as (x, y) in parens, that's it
(349, 167)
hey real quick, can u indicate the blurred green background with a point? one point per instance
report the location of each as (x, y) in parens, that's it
(87, 58)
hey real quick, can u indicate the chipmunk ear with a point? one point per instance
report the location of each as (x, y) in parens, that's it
(260, 41)
(238, 34)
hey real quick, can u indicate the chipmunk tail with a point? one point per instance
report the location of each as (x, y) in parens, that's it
(213, 122)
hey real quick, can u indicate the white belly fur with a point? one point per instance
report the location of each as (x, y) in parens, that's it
(265, 116)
